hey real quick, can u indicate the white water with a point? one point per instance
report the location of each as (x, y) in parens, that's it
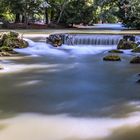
(63, 127)
(92, 39)
(41, 48)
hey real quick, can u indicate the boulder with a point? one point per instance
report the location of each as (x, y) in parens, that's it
(15, 43)
(55, 40)
(135, 60)
(13, 34)
(5, 49)
(124, 44)
(115, 51)
(12, 40)
(129, 38)
(112, 58)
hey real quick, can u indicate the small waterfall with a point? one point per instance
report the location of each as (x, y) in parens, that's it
(90, 39)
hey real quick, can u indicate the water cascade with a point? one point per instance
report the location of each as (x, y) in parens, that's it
(90, 39)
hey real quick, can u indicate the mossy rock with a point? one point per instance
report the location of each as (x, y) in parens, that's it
(115, 51)
(135, 60)
(112, 58)
(125, 45)
(13, 34)
(5, 49)
(136, 50)
(15, 43)
(12, 40)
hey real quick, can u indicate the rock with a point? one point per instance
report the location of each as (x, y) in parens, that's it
(12, 40)
(16, 43)
(5, 49)
(129, 38)
(123, 44)
(55, 40)
(13, 34)
(5, 54)
(112, 58)
(135, 60)
(136, 50)
(115, 51)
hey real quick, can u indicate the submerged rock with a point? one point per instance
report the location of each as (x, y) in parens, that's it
(135, 60)
(115, 51)
(112, 58)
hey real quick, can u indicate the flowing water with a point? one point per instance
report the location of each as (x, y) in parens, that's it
(69, 93)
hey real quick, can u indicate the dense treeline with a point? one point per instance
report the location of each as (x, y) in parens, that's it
(69, 12)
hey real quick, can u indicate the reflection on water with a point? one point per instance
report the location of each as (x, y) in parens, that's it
(79, 95)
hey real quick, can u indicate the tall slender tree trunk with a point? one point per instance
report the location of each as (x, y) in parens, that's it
(62, 10)
(17, 19)
(46, 16)
(23, 19)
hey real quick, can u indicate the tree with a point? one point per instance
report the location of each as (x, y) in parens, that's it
(76, 12)
(130, 13)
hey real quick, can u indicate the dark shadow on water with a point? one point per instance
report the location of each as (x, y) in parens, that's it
(78, 86)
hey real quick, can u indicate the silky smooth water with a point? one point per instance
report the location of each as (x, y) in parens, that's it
(69, 93)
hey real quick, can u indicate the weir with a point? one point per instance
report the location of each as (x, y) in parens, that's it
(91, 39)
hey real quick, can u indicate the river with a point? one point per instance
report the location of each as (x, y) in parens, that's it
(69, 93)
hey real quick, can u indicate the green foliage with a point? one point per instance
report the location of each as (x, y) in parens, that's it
(72, 11)
(130, 13)
(77, 12)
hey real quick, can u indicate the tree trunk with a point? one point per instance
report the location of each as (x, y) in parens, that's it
(62, 10)
(17, 19)
(23, 19)
(46, 16)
